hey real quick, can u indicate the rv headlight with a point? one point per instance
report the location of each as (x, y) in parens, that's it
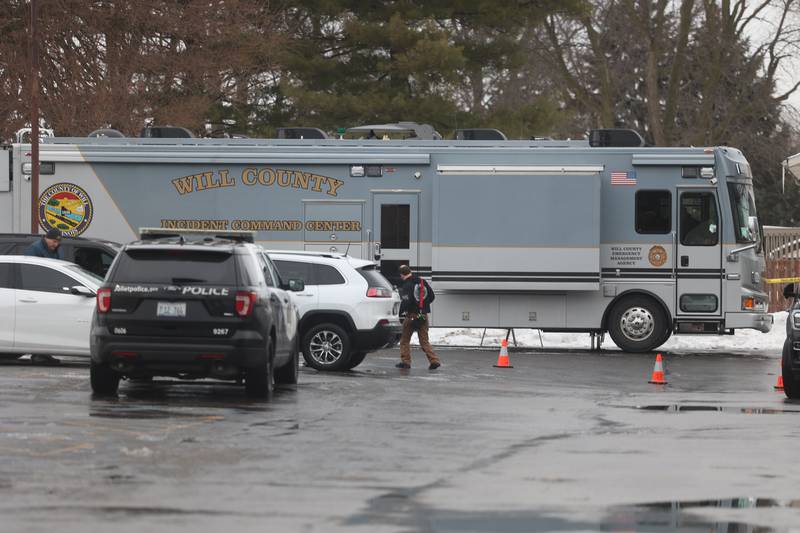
(796, 320)
(750, 303)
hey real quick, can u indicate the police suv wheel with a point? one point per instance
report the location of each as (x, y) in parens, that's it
(288, 373)
(259, 381)
(791, 382)
(104, 380)
(637, 324)
(326, 347)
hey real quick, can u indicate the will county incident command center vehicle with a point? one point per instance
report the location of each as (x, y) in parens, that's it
(597, 235)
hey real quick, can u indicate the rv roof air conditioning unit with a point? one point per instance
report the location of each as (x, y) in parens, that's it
(106, 132)
(480, 134)
(301, 133)
(615, 138)
(166, 132)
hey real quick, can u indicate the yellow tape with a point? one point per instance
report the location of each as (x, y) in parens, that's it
(782, 280)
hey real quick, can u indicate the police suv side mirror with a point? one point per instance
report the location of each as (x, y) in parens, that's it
(80, 290)
(788, 291)
(296, 285)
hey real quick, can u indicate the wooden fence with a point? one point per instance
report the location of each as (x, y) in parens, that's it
(782, 254)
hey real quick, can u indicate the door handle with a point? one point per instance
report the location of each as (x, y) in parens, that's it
(684, 260)
(28, 301)
(274, 298)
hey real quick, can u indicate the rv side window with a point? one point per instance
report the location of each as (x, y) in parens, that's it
(699, 220)
(653, 210)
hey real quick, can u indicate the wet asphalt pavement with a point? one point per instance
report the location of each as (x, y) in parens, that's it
(567, 441)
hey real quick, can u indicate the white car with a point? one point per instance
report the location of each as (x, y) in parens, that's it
(347, 308)
(46, 306)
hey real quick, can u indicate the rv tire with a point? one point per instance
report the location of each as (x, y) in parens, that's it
(636, 324)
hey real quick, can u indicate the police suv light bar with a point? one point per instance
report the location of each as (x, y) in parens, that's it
(165, 233)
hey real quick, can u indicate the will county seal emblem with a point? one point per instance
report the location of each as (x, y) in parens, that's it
(657, 256)
(67, 207)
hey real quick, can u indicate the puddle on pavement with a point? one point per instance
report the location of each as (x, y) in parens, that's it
(678, 408)
(404, 511)
(678, 515)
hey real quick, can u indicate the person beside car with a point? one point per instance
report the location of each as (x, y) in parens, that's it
(416, 297)
(49, 246)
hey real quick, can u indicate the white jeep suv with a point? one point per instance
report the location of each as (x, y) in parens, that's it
(347, 308)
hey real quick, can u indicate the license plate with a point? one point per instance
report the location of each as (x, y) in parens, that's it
(171, 309)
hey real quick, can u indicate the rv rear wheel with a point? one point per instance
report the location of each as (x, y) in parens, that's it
(637, 324)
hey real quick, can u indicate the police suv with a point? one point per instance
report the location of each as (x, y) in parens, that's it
(198, 305)
(790, 362)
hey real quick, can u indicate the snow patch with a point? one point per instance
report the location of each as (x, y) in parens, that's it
(743, 340)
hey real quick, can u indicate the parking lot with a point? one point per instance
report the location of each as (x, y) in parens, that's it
(568, 440)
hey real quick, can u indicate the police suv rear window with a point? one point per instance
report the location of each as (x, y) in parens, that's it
(176, 267)
(374, 277)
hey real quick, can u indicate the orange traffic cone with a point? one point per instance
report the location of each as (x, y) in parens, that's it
(502, 359)
(779, 384)
(658, 372)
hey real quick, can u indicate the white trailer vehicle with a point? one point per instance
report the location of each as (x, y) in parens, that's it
(598, 235)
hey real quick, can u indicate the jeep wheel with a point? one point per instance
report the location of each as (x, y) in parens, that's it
(355, 360)
(259, 381)
(104, 380)
(791, 383)
(637, 324)
(326, 347)
(287, 374)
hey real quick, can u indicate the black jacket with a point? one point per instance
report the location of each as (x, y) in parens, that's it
(409, 293)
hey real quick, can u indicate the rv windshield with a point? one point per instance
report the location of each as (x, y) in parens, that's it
(743, 207)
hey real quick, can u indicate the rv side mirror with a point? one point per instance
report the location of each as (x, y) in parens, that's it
(296, 285)
(752, 226)
(788, 291)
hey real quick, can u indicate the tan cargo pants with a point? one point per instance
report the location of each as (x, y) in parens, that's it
(422, 335)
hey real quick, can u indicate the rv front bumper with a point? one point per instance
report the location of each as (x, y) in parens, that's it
(758, 321)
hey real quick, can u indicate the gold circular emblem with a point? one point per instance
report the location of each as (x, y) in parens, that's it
(657, 256)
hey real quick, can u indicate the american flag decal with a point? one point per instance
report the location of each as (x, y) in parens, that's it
(623, 178)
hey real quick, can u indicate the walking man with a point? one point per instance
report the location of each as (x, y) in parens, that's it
(416, 297)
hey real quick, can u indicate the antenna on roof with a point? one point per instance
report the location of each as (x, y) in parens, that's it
(347, 251)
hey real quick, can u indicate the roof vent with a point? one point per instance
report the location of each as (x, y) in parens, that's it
(301, 133)
(480, 134)
(615, 137)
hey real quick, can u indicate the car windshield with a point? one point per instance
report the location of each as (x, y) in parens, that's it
(82, 272)
(743, 207)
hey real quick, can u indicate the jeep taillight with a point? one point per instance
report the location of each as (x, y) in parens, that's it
(103, 300)
(379, 292)
(245, 302)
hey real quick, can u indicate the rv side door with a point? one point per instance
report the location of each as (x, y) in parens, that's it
(699, 256)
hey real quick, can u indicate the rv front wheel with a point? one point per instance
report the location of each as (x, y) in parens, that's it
(637, 324)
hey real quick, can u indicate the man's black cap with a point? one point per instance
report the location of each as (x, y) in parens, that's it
(53, 233)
